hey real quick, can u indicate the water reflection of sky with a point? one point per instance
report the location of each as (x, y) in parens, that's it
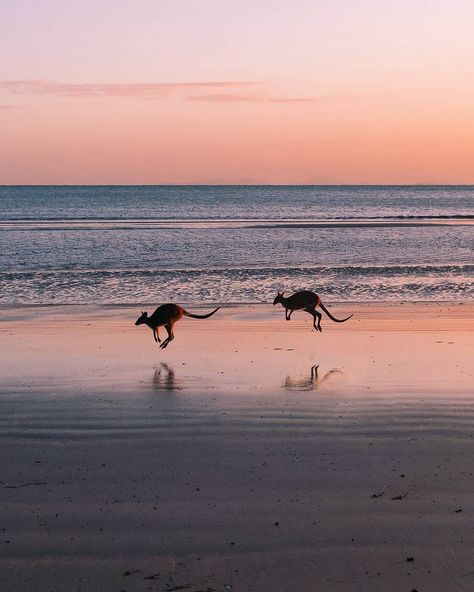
(130, 259)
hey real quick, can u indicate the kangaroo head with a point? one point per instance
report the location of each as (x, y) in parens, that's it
(143, 319)
(278, 298)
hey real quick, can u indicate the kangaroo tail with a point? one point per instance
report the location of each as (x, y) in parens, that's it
(195, 316)
(330, 315)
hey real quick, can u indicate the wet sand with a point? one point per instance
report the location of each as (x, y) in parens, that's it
(252, 454)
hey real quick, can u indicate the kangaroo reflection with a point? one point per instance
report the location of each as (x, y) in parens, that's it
(312, 382)
(164, 378)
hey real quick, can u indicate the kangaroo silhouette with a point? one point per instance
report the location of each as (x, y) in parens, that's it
(307, 301)
(166, 316)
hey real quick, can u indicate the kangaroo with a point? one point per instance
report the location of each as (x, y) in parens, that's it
(307, 301)
(166, 316)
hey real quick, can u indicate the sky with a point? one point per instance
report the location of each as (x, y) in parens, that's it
(213, 91)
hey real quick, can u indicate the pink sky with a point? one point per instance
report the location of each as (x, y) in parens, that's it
(175, 91)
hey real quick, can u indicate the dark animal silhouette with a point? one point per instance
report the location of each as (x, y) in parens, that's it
(307, 301)
(166, 316)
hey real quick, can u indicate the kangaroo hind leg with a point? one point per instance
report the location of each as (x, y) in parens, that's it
(316, 315)
(320, 316)
(169, 330)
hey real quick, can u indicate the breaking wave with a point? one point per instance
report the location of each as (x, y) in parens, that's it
(238, 285)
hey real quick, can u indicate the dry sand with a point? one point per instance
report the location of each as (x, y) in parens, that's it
(219, 465)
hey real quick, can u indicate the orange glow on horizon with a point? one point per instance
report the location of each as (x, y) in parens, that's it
(321, 94)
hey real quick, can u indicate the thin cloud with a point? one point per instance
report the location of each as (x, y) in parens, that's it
(223, 98)
(253, 98)
(297, 99)
(220, 91)
(152, 90)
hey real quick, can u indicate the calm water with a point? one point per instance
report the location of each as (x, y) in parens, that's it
(234, 244)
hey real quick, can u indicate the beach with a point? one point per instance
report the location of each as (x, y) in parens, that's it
(251, 454)
(299, 178)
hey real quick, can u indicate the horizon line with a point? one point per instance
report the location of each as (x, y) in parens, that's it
(424, 184)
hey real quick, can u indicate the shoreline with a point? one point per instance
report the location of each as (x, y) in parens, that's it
(100, 347)
(131, 305)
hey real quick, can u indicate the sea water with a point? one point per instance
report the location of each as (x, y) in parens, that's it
(234, 244)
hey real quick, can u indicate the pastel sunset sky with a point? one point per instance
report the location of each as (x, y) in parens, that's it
(247, 91)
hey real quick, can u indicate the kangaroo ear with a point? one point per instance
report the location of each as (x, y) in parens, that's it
(282, 293)
(144, 314)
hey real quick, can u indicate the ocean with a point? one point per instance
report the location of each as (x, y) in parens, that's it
(234, 244)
